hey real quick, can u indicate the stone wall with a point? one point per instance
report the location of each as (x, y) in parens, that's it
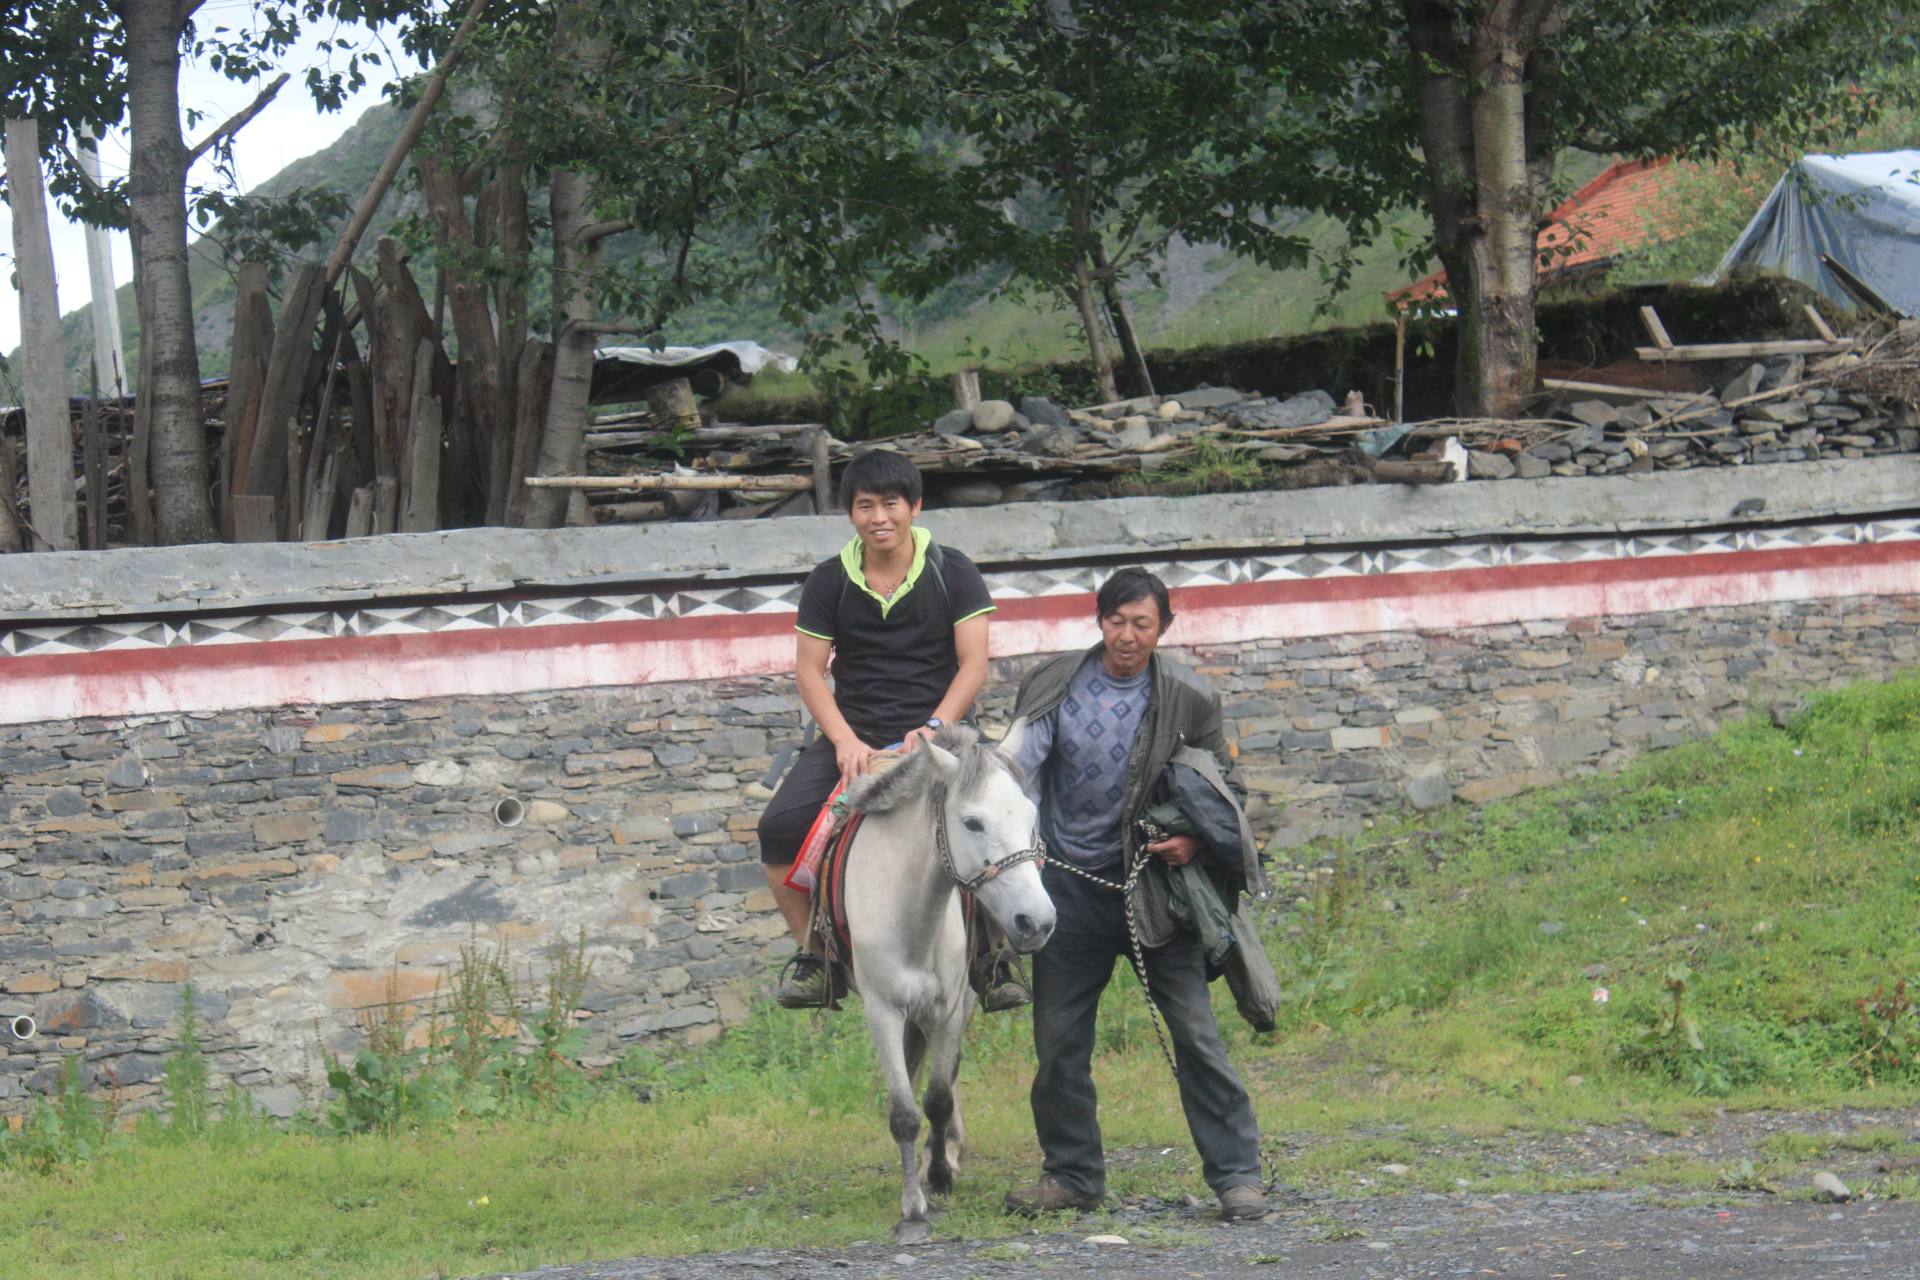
(291, 861)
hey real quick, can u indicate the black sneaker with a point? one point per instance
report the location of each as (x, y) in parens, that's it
(805, 983)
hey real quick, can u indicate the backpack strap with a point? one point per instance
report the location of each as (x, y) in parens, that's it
(936, 559)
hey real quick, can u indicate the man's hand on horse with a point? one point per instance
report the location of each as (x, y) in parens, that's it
(1176, 851)
(916, 736)
(854, 757)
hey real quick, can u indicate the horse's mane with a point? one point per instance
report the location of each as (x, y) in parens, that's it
(916, 777)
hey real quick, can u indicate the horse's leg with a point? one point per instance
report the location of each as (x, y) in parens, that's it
(943, 1108)
(889, 1028)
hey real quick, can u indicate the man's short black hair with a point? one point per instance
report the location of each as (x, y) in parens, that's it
(1130, 585)
(882, 473)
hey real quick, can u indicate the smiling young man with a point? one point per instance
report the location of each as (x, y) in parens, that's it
(900, 624)
(1103, 726)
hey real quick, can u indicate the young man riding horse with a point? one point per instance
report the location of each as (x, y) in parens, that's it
(1103, 727)
(900, 623)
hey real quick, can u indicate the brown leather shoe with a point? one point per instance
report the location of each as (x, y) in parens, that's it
(1050, 1195)
(1243, 1203)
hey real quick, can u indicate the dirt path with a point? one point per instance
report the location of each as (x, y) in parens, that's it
(1644, 1234)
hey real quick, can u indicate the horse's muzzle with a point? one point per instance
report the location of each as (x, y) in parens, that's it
(1029, 932)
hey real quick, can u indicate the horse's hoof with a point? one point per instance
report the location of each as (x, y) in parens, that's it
(940, 1184)
(912, 1231)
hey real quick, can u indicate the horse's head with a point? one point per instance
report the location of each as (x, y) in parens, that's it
(992, 830)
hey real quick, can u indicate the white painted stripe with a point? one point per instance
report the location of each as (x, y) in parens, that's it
(125, 685)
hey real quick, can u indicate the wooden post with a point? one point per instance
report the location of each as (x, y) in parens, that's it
(822, 472)
(1655, 330)
(966, 389)
(252, 343)
(1400, 366)
(318, 506)
(55, 523)
(284, 386)
(10, 539)
(109, 352)
(359, 513)
(94, 450)
(420, 495)
(253, 518)
(673, 404)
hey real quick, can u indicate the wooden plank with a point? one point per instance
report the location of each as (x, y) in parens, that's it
(1608, 390)
(285, 384)
(359, 513)
(1820, 325)
(647, 482)
(56, 516)
(253, 518)
(93, 450)
(252, 346)
(420, 481)
(1655, 330)
(386, 504)
(317, 510)
(1748, 350)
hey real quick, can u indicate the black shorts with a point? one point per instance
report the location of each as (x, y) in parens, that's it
(790, 814)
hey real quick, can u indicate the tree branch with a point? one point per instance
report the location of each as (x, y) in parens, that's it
(238, 121)
(594, 232)
(80, 171)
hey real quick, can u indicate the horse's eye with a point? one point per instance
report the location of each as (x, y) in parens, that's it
(973, 824)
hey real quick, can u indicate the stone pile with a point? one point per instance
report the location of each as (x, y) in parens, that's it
(1765, 414)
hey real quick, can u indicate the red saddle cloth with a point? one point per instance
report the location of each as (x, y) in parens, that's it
(830, 895)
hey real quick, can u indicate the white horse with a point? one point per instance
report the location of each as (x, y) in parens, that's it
(952, 816)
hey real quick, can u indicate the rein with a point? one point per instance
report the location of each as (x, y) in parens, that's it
(1035, 852)
(1133, 939)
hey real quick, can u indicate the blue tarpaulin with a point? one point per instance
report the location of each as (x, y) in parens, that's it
(1860, 211)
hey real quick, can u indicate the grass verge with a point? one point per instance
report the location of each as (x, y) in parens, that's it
(1745, 903)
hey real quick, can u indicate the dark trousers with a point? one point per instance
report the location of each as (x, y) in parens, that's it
(790, 814)
(1069, 974)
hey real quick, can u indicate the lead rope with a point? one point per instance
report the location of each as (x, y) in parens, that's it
(1133, 940)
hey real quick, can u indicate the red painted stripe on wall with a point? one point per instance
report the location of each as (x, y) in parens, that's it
(517, 660)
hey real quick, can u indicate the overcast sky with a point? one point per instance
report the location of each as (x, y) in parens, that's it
(288, 129)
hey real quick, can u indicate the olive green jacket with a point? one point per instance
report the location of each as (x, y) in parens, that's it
(1182, 710)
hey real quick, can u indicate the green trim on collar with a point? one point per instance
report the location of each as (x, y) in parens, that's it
(850, 561)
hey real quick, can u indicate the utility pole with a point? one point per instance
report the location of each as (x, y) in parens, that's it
(55, 522)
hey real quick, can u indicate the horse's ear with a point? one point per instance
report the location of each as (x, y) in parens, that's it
(1009, 744)
(949, 763)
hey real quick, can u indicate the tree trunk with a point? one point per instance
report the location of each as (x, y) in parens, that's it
(510, 304)
(157, 209)
(55, 524)
(1122, 322)
(1083, 300)
(575, 266)
(1484, 192)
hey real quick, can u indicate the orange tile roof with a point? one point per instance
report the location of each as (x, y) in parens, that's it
(1612, 214)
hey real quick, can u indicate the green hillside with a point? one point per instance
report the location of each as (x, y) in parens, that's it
(1205, 295)
(347, 166)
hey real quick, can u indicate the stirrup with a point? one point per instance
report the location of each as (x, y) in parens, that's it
(1001, 981)
(824, 990)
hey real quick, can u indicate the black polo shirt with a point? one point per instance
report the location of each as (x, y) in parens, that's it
(893, 660)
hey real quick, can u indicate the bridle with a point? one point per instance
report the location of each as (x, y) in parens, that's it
(1035, 852)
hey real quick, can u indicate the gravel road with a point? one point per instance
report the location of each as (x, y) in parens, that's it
(1597, 1236)
(1643, 1234)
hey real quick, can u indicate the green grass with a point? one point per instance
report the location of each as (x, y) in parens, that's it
(1779, 867)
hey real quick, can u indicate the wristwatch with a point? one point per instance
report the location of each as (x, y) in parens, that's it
(935, 722)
